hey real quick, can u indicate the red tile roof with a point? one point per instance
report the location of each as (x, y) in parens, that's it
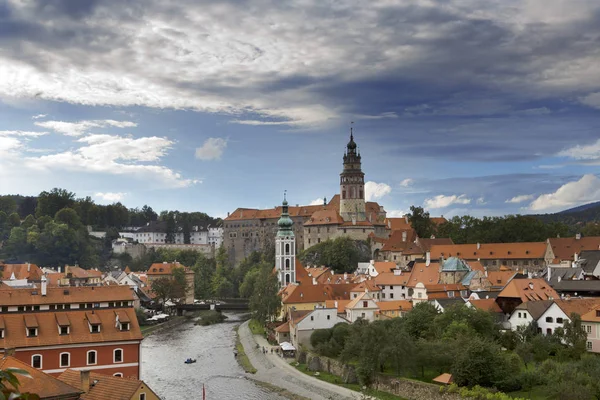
(427, 275)
(64, 295)
(486, 305)
(167, 268)
(40, 383)
(529, 290)
(525, 250)
(565, 248)
(369, 285)
(324, 217)
(384, 266)
(14, 334)
(106, 386)
(390, 279)
(315, 293)
(395, 242)
(339, 304)
(283, 328)
(78, 272)
(21, 271)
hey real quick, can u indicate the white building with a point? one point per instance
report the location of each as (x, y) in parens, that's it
(364, 306)
(560, 312)
(302, 328)
(215, 236)
(393, 285)
(527, 312)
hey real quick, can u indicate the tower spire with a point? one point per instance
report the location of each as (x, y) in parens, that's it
(351, 133)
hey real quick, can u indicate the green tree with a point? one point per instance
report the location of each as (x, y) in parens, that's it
(49, 203)
(14, 220)
(17, 242)
(264, 301)
(341, 254)
(180, 285)
(8, 205)
(27, 206)
(419, 322)
(163, 289)
(28, 222)
(574, 336)
(204, 268)
(69, 217)
(421, 222)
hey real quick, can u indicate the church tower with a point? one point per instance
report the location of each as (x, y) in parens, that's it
(285, 248)
(352, 185)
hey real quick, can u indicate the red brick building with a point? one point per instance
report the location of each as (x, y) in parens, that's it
(52, 329)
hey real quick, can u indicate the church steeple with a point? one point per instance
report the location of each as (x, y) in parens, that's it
(285, 247)
(352, 181)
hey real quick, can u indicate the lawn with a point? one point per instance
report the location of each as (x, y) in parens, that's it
(256, 327)
(537, 393)
(336, 380)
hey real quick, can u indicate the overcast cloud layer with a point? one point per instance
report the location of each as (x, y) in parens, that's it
(462, 106)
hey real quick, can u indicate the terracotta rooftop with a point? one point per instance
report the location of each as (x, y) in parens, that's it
(14, 334)
(167, 268)
(577, 306)
(283, 328)
(445, 379)
(427, 275)
(315, 293)
(592, 316)
(44, 385)
(364, 296)
(486, 305)
(78, 272)
(395, 242)
(105, 386)
(384, 266)
(529, 290)
(488, 251)
(398, 224)
(565, 248)
(500, 278)
(275, 212)
(368, 284)
(341, 305)
(21, 271)
(64, 295)
(391, 279)
(324, 217)
(399, 305)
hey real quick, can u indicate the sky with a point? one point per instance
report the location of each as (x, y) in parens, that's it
(459, 106)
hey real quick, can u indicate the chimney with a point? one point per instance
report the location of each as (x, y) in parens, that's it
(85, 380)
(28, 267)
(353, 220)
(486, 272)
(575, 257)
(314, 280)
(404, 236)
(577, 236)
(325, 203)
(9, 352)
(44, 285)
(228, 213)
(529, 276)
(397, 272)
(478, 245)
(406, 218)
(335, 303)
(427, 258)
(549, 274)
(59, 269)
(390, 226)
(559, 278)
(345, 276)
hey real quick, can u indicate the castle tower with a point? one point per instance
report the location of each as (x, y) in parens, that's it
(352, 185)
(285, 248)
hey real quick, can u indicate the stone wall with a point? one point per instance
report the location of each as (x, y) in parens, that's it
(406, 388)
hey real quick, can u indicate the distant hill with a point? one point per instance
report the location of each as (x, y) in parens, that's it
(574, 217)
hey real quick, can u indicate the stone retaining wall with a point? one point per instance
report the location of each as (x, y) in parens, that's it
(406, 388)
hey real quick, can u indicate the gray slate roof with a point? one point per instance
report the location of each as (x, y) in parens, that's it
(577, 286)
(535, 308)
(564, 273)
(589, 260)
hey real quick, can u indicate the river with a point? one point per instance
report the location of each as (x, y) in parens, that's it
(163, 368)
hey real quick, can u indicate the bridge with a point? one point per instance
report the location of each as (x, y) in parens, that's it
(229, 305)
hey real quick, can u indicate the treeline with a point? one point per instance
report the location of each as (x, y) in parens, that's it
(99, 217)
(506, 229)
(469, 344)
(341, 254)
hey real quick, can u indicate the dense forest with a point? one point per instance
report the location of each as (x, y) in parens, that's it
(52, 228)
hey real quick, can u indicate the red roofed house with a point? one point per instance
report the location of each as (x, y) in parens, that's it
(518, 291)
(86, 327)
(28, 271)
(564, 249)
(590, 322)
(97, 386)
(165, 270)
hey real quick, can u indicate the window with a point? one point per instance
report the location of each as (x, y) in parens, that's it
(549, 331)
(95, 328)
(36, 361)
(64, 330)
(65, 360)
(588, 345)
(451, 293)
(355, 295)
(118, 355)
(363, 315)
(559, 320)
(329, 317)
(383, 295)
(142, 396)
(32, 332)
(91, 357)
(1, 333)
(549, 319)
(391, 295)
(588, 329)
(318, 240)
(118, 375)
(365, 304)
(312, 318)
(519, 315)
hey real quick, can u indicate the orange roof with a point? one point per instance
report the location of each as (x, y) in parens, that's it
(427, 275)
(53, 279)
(21, 271)
(475, 265)
(361, 297)
(438, 220)
(44, 385)
(78, 272)
(301, 274)
(524, 250)
(315, 293)
(275, 212)
(297, 316)
(577, 306)
(105, 386)
(398, 224)
(391, 279)
(325, 217)
(14, 334)
(500, 278)
(62, 319)
(529, 290)
(592, 316)
(64, 295)
(396, 305)
(315, 272)
(395, 242)
(384, 266)
(444, 378)
(336, 279)
(167, 268)
(357, 223)
(486, 305)
(565, 248)
(283, 328)
(341, 305)
(368, 284)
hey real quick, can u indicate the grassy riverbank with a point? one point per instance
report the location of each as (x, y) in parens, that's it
(256, 327)
(280, 391)
(242, 358)
(210, 317)
(336, 380)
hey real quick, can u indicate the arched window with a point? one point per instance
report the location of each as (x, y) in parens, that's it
(118, 355)
(36, 361)
(118, 375)
(91, 357)
(287, 248)
(65, 360)
(287, 263)
(287, 279)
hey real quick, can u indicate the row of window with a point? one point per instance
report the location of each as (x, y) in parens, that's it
(65, 359)
(65, 330)
(53, 307)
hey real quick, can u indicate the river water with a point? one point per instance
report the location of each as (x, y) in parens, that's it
(163, 368)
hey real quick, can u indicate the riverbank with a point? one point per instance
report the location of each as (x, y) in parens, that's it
(174, 321)
(241, 357)
(274, 370)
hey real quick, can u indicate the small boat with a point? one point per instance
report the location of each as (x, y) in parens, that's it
(190, 361)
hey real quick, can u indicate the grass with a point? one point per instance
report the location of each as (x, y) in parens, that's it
(336, 380)
(242, 358)
(537, 393)
(210, 317)
(256, 327)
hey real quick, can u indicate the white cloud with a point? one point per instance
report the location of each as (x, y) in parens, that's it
(374, 190)
(110, 197)
(22, 133)
(480, 201)
(592, 100)
(39, 116)
(442, 201)
(81, 127)
(396, 213)
(585, 190)
(8, 144)
(316, 202)
(586, 152)
(407, 182)
(212, 149)
(519, 199)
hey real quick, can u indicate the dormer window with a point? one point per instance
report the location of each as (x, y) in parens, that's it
(32, 332)
(123, 321)
(2, 333)
(93, 322)
(31, 325)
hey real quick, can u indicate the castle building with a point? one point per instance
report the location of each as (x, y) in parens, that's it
(285, 248)
(347, 214)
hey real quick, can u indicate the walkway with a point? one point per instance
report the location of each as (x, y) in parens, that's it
(276, 371)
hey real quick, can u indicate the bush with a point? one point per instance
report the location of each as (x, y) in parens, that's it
(141, 317)
(320, 336)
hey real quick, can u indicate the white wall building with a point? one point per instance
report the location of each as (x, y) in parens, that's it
(320, 318)
(364, 306)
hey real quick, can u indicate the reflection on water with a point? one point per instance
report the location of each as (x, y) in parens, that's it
(163, 368)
